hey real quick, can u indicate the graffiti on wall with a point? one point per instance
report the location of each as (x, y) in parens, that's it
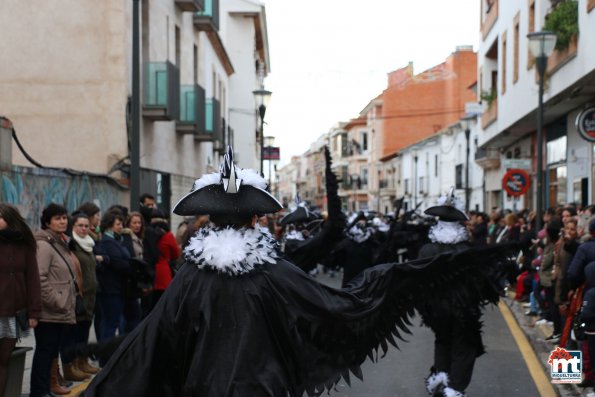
(31, 189)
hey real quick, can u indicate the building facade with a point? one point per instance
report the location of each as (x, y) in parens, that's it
(508, 86)
(68, 87)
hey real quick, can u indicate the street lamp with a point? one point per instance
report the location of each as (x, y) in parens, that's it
(541, 45)
(466, 124)
(415, 179)
(262, 98)
(269, 141)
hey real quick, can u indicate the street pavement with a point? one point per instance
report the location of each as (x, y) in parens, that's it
(515, 363)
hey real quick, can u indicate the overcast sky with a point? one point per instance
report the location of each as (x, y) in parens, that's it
(329, 58)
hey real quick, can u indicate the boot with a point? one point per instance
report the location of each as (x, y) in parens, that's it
(63, 382)
(55, 386)
(83, 365)
(72, 372)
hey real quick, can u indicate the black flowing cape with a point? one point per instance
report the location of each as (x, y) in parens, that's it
(276, 331)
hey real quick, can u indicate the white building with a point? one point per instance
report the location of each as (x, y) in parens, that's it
(508, 79)
(429, 168)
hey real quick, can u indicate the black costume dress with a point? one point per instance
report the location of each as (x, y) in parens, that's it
(240, 321)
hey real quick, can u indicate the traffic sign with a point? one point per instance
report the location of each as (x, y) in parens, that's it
(516, 182)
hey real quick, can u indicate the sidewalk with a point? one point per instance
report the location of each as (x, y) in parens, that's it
(536, 335)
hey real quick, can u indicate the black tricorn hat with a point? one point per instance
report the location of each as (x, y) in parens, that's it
(301, 214)
(231, 191)
(447, 211)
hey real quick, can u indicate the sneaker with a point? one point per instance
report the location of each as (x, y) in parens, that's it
(543, 321)
(526, 305)
(530, 313)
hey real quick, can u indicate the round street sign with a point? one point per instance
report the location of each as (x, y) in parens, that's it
(516, 182)
(585, 124)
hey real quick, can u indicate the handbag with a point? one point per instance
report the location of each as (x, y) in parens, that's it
(22, 319)
(79, 305)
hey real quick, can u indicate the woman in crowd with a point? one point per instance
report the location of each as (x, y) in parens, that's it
(58, 291)
(94, 214)
(569, 243)
(19, 283)
(112, 274)
(132, 237)
(553, 228)
(169, 251)
(82, 246)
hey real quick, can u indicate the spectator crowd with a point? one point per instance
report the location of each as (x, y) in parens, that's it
(106, 270)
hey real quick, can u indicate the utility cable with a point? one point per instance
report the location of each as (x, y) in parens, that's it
(68, 171)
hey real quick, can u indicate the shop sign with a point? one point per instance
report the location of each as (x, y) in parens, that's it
(516, 182)
(523, 164)
(585, 124)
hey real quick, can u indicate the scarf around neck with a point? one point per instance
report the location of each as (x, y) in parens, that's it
(86, 243)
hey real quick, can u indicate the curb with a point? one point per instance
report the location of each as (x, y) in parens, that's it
(536, 335)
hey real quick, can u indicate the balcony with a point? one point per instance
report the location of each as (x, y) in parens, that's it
(192, 110)
(212, 121)
(190, 5)
(219, 137)
(161, 91)
(489, 18)
(488, 158)
(387, 187)
(490, 115)
(208, 20)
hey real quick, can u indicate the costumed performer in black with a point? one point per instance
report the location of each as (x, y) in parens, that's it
(457, 329)
(239, 320)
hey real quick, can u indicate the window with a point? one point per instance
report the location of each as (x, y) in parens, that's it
(364, 141)
(556, 150)
(459, 176)
(504, 51)
(531, 29)
(421, 184)
(406, 183)
(195, 66)
(364, 177)
(178, 48)
(515, 60)
(436, 165)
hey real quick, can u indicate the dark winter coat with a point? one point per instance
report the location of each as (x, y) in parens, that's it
(582, 269)
(113, 271)
(19, 277)
(88, 266)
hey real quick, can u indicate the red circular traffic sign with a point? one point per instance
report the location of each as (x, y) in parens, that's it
(516, 182)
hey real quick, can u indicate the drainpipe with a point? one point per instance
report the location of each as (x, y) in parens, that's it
(5, 143)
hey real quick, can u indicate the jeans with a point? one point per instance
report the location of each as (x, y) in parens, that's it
(112, 309)
(74, 335)
(48, 338)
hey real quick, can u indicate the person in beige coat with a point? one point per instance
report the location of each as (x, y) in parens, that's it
(56, 273)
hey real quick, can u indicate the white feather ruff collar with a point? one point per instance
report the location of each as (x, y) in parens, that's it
(231, 251)
(448, 233)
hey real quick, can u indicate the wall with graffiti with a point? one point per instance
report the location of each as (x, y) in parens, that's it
(31, 189)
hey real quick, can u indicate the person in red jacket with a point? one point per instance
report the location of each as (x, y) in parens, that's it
(20, 288)
(169, 252)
